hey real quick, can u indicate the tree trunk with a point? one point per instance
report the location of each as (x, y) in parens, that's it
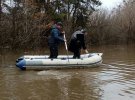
(0, 10)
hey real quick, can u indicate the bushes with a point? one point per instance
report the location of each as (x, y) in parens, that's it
(22, 23)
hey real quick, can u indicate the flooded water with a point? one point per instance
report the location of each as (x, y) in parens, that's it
(113, 80)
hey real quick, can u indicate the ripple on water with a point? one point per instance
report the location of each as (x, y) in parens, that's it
(118, 80)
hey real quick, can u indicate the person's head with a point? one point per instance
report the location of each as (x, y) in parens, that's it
(84, 31)
(59, 25)
(79, 28)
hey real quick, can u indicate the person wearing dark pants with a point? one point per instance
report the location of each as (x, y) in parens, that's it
(77, 42)
(54, 39)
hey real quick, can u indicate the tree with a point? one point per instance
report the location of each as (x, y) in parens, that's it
(26, 19)
(0, 10)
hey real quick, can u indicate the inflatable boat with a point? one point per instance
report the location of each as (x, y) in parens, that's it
(62, 61)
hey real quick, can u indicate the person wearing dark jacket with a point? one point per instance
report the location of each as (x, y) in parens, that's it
(77, 42)
(54, 39)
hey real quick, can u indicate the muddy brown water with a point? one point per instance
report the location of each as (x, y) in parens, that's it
(113, 80)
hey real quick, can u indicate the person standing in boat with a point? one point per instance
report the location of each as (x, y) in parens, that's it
(55, 38)
(77, 42)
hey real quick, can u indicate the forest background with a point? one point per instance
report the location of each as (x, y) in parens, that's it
(23, 21)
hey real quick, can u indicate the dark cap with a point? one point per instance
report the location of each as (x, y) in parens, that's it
(59, 23)
(84, 30)
(79, 28)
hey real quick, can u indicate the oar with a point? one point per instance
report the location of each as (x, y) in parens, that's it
(66, 46)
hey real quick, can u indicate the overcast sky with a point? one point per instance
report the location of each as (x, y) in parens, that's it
(110, 3)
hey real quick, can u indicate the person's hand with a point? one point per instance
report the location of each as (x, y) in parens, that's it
(86, 51)
(63, 32)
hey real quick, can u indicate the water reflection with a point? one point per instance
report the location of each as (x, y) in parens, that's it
(74, 85)
(114, 80)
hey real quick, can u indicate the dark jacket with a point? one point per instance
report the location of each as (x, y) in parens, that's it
(56, 37)
(77, 41)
